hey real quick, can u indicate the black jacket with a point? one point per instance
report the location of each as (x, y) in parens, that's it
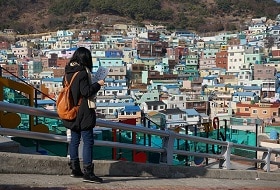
(86, 118)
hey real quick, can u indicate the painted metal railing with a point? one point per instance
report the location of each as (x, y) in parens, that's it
(167, 150)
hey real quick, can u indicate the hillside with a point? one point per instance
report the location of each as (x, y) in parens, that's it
(36, 16)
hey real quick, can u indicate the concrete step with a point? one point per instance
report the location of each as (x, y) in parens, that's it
(8, 145)
(54, 165)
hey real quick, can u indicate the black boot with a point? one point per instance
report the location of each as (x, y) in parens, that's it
(76, 169)
(89, 176)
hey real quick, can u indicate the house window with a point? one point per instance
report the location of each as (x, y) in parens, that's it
(264, 112)
(169, 116)
(255, 111)
(246, 109)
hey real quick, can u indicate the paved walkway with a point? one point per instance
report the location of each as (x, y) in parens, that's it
(43, 172)
(65, 182)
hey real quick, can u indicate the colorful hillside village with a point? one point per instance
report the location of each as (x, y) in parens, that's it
(175, 79)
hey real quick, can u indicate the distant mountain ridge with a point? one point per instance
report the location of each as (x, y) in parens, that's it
(34, 16)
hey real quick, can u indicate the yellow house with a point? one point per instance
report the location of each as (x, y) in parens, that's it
(228, 79)
(219, 89)
(148, 62)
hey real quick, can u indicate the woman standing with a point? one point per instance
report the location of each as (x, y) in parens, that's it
(82, 126)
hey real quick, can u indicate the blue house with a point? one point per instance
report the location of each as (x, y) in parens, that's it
(113, 54)
(193, 117)
(244, 96)
(130, 112)
(255, 89)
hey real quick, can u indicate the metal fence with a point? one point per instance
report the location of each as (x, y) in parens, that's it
(167, 150)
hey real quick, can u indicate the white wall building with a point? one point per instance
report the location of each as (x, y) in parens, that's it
(235, 58)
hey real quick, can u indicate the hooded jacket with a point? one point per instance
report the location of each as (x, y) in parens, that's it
(81, 88)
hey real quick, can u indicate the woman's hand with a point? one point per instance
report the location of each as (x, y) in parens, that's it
(101, 82)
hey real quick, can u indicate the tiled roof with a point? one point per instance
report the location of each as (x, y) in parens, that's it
(151, 103)
(172, 111)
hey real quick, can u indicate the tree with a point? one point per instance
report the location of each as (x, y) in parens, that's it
(224, 5)
(269, 43)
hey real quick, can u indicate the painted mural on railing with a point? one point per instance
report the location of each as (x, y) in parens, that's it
(23, 94)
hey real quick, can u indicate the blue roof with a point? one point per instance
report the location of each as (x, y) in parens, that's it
(43, 102)
(56, 79)
(72, 49)
(220, 85)
(191, 112)
(252, 88)
(171, 86)
(108, 104)
(211, 77)
(147, 58)
(130, 109)
(114, 87)
(244, 94)
(277, 27)
(108, 79)
(119, 80)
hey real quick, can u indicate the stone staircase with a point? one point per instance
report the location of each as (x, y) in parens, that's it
(8, 145)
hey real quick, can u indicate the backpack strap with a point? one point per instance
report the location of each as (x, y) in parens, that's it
(69, 84)
(72, 79)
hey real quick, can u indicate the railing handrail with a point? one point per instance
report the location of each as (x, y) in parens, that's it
(167, 148)
(36, 89)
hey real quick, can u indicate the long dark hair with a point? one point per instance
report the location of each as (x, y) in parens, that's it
(83, 57)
